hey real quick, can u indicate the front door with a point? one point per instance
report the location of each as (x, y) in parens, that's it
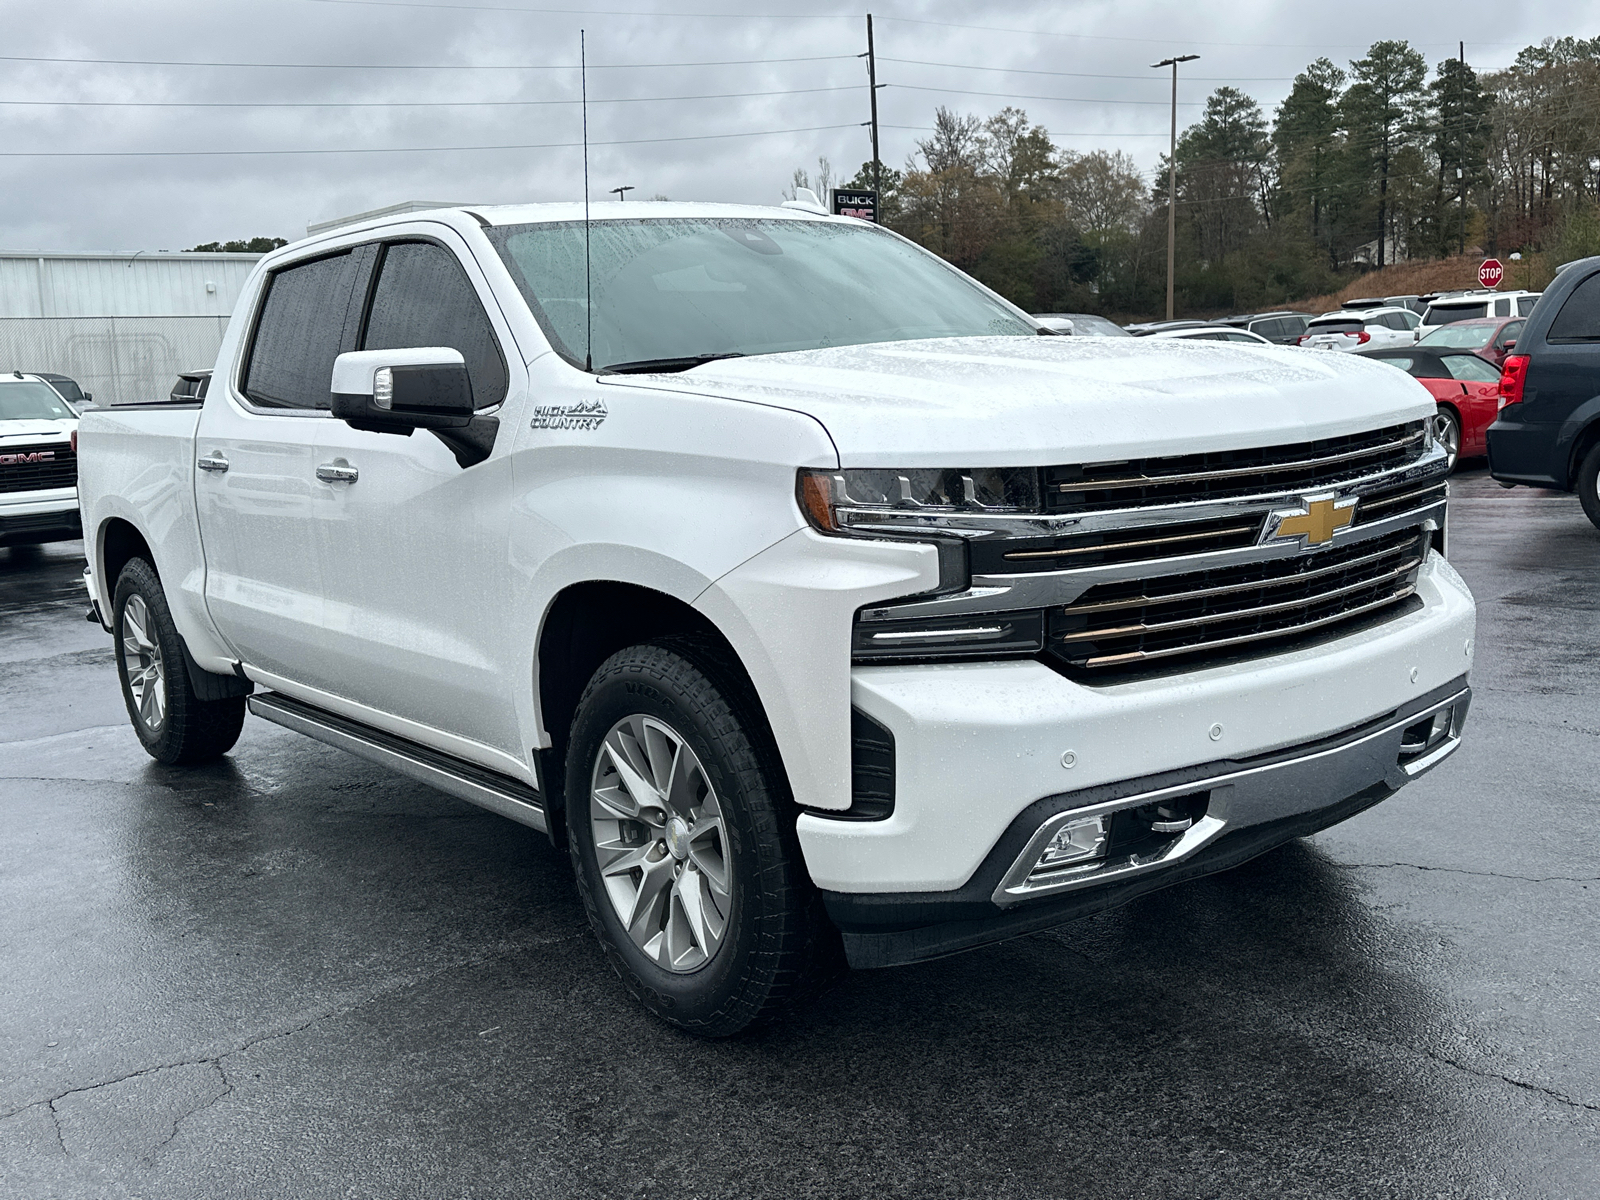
(255, 472)
(412, 545)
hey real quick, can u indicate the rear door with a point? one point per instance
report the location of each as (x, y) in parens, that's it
(255, 474)
(413, 547)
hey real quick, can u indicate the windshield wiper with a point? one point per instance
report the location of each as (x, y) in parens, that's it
(648, 366)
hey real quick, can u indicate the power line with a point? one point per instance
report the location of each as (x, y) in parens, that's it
(917, 62)
(702, 137)
(591, 12)
(155, 62)
(402, 103)
(1100, 37)
(908, 87)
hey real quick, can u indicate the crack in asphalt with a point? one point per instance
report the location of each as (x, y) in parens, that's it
(342, 1008)
(227, 1090)
(1389, 866)
(1536, 1088)
(66, 733)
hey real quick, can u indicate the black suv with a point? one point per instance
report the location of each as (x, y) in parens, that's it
(1548, 430)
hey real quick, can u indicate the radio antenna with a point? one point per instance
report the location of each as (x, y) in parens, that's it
(588, 286)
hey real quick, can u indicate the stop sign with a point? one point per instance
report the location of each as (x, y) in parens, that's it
(1491, 273)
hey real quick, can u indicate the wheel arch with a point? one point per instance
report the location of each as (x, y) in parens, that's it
(585, 623)
(1586, 440)
(117, 541)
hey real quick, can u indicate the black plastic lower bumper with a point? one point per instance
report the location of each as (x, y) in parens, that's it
(31, 529)
(888, 929)
(1525, 453)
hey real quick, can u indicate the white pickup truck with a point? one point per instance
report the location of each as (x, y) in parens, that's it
(38, 463)
(788, 576)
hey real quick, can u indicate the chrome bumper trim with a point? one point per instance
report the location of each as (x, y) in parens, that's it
(1239, 799)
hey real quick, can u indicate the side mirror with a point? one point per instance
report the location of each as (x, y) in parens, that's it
(1511, 345)
(396, 391)
(88, 396)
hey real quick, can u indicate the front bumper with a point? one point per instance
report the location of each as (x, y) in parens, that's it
(977, 745)
(1249, 807)
(29, 518)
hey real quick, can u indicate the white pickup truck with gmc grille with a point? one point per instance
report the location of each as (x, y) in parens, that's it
(38, 463)
(819, 600)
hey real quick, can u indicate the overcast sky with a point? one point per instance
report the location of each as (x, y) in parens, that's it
(1080, 69)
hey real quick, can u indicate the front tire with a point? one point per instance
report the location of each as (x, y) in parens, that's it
(173, 724)
(1587, 485)
(682, 838)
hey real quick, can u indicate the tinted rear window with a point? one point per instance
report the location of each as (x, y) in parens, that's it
(1579, 318)
(1334, 327)
(1443, 314)
(1525, 305)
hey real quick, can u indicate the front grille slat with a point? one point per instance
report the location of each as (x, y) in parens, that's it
(1146, 598)
(1204, 612)
(1259, 610)
(1184, 479)
(59, 470)
(1253, 472)
(1243, 639)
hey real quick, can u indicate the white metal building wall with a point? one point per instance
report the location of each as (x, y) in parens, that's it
(119, 360)
(122, 325)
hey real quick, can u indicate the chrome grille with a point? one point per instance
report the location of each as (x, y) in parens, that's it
(1184, 479)
(1140, 621)
(59, 470)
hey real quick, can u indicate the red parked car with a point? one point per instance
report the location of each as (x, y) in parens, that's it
(1466, 386)
(1489, 338)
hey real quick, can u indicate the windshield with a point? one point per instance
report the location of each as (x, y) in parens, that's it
(1460, 337)
(29, 401)
(1089, 325)
(694, 288)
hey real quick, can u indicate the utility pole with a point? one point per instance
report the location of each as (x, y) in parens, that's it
(1461, 147)
(1172, 175)
(872, 90)
(621, 193)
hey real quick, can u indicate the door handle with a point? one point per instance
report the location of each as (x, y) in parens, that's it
(337, 471)
(213, 462)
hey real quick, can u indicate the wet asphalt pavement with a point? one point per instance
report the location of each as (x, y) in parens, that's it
(293, 974)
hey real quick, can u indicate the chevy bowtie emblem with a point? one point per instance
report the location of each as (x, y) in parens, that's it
(1316, 522)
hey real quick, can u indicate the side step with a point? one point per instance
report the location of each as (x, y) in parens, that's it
(463, 780)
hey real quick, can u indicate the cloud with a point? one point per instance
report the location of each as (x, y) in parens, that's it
(1081, 70)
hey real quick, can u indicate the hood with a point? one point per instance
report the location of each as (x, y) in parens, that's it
(33, 431)
(1009, 401)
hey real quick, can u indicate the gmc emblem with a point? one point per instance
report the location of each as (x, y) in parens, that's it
(16, 460)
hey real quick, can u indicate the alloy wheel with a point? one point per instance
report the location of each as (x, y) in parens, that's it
(661, 843)
(141, 663)
(1448, 431)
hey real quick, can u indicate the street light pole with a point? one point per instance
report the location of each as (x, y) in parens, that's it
(621, 193)
(1172, 175)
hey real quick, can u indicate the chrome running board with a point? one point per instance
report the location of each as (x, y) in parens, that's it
(465, 781)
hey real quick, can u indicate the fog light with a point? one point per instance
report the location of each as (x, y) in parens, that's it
(1426, 734)
(1075, 842)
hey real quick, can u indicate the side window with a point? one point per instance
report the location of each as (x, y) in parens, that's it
(299, 332)
(1525, 305)
(424, 298)
(1510, 333)
(1579, 318)
(1502, 308)
(1470, 368)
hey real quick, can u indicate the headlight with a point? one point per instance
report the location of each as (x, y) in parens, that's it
(873, 502)
(929, 506)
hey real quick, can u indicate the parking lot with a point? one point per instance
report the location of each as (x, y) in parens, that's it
(293, 974)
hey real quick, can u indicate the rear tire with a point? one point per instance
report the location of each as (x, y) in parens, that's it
(1587, 485)
(173, 724)
(683, 840)
(1447, 430)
